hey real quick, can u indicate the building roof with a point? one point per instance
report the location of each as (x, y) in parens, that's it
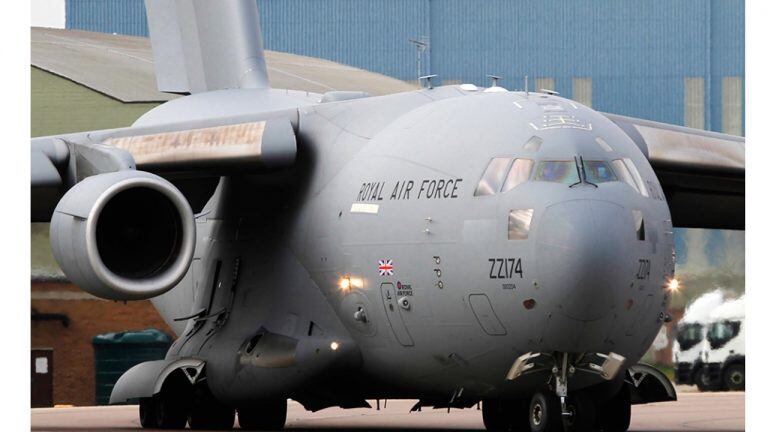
(122, 67)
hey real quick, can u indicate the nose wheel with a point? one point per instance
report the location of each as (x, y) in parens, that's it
(544, 413)
(583, 414)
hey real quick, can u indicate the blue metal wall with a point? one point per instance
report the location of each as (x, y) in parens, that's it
(637, 53)
(107, 16)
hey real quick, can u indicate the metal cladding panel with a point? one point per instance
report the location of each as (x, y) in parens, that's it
(107, 16)
(728, 37)
(637, 54)
(370, 34)
(727, 53)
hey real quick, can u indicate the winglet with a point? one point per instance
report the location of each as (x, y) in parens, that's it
(204, 45)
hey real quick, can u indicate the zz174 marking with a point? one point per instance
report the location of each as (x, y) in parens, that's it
(644, 269)
(505, 268)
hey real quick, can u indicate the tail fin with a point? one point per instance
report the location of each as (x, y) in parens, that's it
(204, 45)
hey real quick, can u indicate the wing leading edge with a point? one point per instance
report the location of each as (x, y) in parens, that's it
(701, 172)
(180, 152)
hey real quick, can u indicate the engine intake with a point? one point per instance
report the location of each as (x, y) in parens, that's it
(126, 235)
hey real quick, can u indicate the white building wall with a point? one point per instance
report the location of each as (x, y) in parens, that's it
(48, 13)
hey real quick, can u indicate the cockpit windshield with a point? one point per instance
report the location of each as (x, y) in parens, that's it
(557, 171)
(689, 335)
(598, 172)
(721, 332)
(568, 172)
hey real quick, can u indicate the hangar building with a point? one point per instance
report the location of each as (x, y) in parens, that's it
(675, 61)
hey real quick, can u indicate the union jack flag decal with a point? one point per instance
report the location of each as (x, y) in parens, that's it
(386, 268)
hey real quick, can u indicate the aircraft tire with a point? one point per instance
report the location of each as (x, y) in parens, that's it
(734, 377)
(544, 413)
(584, 417)
(703, 382)
(147, 416)
(616, 413)
(265, 415)
(170, 412)
(213, 418)
(208, 413)
(502, 415)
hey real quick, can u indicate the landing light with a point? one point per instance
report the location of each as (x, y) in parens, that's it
(334, 345)
(345, 283)
(673, 285)
(348, 282)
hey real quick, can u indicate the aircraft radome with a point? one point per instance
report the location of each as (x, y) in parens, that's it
(456, 244)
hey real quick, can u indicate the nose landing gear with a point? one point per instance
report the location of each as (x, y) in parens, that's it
(543, 413)
(556, 410)
(585, 414)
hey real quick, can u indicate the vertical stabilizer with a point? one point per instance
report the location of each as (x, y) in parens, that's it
(204, 45)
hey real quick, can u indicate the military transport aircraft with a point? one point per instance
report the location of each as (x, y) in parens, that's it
(456, 245)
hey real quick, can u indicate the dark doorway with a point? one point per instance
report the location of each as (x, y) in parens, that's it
(42, 377)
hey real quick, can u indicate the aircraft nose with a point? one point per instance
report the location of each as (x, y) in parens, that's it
(583, 254)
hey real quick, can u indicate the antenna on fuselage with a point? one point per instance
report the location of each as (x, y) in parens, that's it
(428, 78)
(495, 87)
(494, 80)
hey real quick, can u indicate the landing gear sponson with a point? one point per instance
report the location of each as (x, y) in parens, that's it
(174, 394)
(180, 396)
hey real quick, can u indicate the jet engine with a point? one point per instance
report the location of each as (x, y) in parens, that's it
(126, 235)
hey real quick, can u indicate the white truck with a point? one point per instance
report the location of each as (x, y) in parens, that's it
(723, 357)
(687, 351)
(691, 342)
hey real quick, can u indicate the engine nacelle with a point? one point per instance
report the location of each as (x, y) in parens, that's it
(126, 235)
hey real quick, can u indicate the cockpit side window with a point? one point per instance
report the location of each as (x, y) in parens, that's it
(622, 171)
(519, 173)
(636, 176)
(493, 177)
(557, 171)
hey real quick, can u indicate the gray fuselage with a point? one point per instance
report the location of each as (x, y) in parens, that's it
(383, 240)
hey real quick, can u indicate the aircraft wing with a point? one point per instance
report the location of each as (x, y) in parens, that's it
(183, 153)
(701, 172)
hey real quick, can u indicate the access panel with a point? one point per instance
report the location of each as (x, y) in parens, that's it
(392, 308)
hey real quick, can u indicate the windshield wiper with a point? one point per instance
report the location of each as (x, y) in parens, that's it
(581, 172)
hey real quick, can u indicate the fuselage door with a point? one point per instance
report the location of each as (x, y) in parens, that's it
(392, 309)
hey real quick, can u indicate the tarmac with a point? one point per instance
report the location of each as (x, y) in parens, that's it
(692, 412)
